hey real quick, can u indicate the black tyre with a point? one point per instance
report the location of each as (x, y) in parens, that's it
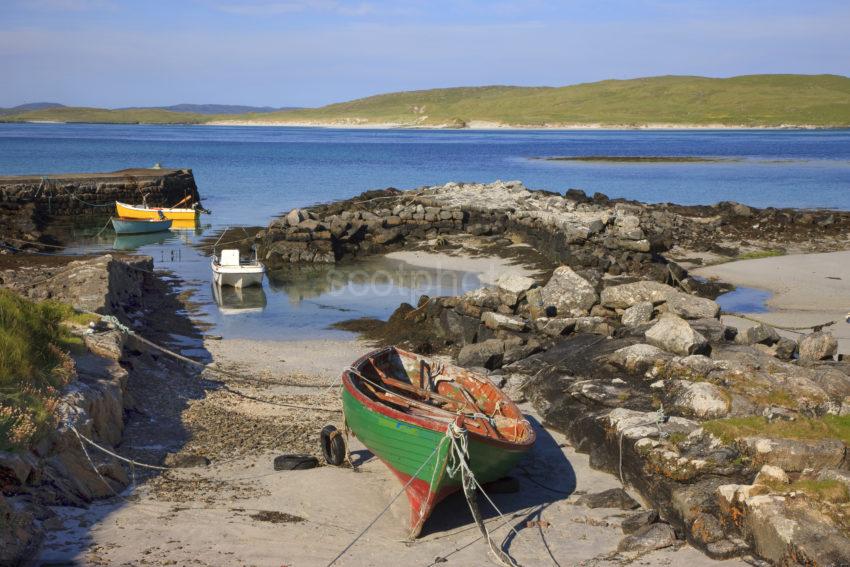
(333, 445)
(295, 462)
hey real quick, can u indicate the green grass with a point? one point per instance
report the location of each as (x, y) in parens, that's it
(827, 427)
(756, 254)
(34, 364)
(750, 100)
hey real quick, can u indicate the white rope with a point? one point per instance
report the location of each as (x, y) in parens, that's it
(387, 507)
(459, 457)
(112, 454)
(657, 421)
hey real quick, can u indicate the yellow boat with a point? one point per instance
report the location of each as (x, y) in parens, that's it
(144, 212)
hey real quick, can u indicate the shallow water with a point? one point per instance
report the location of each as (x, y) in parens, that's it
(744, 300)
(247, 175)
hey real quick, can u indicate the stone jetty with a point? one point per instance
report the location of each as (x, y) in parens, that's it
(28, 203)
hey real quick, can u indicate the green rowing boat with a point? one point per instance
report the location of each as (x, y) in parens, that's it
(404, 408)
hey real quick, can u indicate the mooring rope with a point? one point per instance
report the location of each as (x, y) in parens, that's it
(112, 454)
(459, 457)
(387, 507)
(795, 330)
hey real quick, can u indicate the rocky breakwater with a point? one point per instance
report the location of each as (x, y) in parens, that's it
(738, 441)
(611, 236)
(599, 234)
(28, 203)
(56, 470)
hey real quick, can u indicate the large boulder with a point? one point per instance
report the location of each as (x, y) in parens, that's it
(637, 314)
(648, 538)
(512, 288)
(673, 334)
(568, 293)
(625, 295)
(692, 307)
(494, 321)
(760, 334)
(487, 354)
(817, 346)
(638, 358)
(698, 399)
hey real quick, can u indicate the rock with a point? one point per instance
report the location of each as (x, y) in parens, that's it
(692, 307)
(698, 399)
(295, 216)
(785, 348)
(638, 358)
(625, 295)
(512, 288)
(713, 329)
(611, 498)
(556, 326)
(817, 346)
(14, 469)
(706, 529)
(568, 293)
(795, 455)
(295, 462)
(841, 476)
(488, 354)
(760, 334)
(185, 460)
(495, 321)
(595, 325)
(638, 520)
(513, 387)
(648, 538)
(673, 334)
(637, 314)
(770, 474)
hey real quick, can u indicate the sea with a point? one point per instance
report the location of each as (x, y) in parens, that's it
(248, 175)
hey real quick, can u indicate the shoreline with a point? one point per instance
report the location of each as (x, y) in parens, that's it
(472, 126)
(806, 289)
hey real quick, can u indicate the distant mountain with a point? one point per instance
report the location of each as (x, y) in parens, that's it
(30, 106)
(214, 108)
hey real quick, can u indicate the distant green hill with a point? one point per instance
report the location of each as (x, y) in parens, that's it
(105, 116)
(752, 100)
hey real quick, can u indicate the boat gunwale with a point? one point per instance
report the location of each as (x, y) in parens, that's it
(426, 423)
(163, 209)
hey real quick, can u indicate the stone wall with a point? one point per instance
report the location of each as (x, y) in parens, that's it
(94, 193)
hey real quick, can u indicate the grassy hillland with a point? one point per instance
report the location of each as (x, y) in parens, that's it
(673, 101)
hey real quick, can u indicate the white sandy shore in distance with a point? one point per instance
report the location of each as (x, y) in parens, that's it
(487, 125)
(807, 289)
(487, 268)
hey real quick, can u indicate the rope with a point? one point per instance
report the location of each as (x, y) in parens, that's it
(74, 196)
(110, 453)
(784, 328)
(657, 421)
(458, 463)
(387, 507)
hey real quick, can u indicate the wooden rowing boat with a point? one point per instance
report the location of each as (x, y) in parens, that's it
(401, 406)
(144, 212)
(140, 226)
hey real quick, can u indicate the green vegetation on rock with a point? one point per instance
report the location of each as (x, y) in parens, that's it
(749, 101)
(34, 364)
(826, 427)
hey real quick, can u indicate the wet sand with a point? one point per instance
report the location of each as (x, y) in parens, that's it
(807, 289)
(239, 511)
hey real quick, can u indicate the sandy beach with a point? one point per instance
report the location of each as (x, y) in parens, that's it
(807, 289)
(239, 511)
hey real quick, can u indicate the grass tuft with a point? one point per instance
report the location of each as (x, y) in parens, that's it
(34, 364)
(756, 254)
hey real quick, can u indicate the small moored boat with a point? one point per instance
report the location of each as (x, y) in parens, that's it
(140, 226)
(143, 211)
(229, 269)
(405, 409)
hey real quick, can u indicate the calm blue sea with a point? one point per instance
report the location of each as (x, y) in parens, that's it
(247, 175)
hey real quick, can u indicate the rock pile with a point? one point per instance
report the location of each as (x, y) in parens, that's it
(646, 372)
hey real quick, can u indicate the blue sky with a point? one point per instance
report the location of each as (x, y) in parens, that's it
(311, 52)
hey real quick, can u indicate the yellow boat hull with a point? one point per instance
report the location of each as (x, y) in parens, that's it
(134, 212)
